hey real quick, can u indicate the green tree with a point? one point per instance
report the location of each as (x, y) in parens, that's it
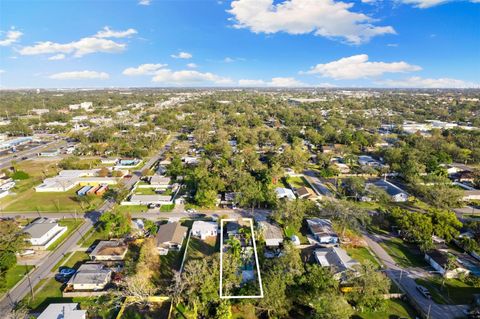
(445, 224)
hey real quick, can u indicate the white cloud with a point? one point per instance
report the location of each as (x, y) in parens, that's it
(419, 82)
(228, 60)
(182, 55)
(327, 18)
(144, 2)
(79, 75)
(11, 37)
(106, 32)
(274, 82)
(78, 48)
(144, 69)
(192, 65)
(189, 77)
(423, 4)
(60, 56)
(357, 66)
(2, 71)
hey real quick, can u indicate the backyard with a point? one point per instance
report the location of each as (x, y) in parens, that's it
(395, 308)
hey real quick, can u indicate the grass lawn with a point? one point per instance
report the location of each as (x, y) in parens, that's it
(50, 292)
(394, 307)
(93, 235)
(71, 224)
(14, 275)
(131, 209)
(76, 259)
(145, 191)
(30, 201)
(362, 255)
(297, 181)
(404, 254)
(167, 208)
(453, 292)
(198, 249)
(289, 232)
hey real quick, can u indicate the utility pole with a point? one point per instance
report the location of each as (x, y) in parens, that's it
(429, 308)
(29, 282)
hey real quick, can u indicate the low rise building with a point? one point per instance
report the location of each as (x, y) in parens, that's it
(447, 265)
(44, 232)
(63, 311)
(90, 276)
(286, 193)
(336, 259)
(272, 234)
(170, 237)
(322, 230)
(203, 229)
(396, 193)
(109, 250)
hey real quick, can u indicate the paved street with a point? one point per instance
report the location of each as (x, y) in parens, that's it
(405, 279)
(24, 287)
(318, 186)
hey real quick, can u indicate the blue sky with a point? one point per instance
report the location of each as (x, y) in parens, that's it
(137, 43)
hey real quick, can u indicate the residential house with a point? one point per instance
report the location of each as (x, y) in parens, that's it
(44, 232)
(305, 193)
(139, 199)
(336, 259)
(439, 260)
(396, 193)
(272, 234)
(90, 276)
(203, 229)
(322, 230)
(109, 250)
(159, 181)
(286, 193)
(63, 311)
(170, 237)
(365, 160)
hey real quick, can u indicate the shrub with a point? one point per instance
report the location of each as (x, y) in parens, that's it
(19, 175)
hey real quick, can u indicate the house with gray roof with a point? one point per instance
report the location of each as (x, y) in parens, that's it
(43, 232)
(336, 259)
(90, 276)
(170, 237)
(396, 193)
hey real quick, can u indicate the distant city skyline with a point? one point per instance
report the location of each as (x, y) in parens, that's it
(245, 43)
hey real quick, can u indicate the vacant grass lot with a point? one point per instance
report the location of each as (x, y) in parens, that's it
(404, 254)
(199, 249)
(31, 201)
(453, 292)
(362, 255)
(395, 308)
(14, 275)
(297, 181)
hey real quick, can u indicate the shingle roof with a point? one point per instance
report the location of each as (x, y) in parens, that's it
(171, 232)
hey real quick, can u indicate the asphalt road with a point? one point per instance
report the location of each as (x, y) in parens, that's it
(24, 287)
(406, 280)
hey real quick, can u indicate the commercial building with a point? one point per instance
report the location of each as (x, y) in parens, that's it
(44, 232)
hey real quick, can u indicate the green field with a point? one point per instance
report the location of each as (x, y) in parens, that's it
(395, 308)
(453, 292)
(297, 181)
(14, 275)
(31, 201)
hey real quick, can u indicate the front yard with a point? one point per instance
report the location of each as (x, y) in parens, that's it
(454, 291)
(14, 275)
(395, 308)
(404, 254)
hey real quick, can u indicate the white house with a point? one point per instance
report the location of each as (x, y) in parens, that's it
(396, 193)
(139, 199)
(87, 106)
(90, 277)
(439, 261)
(322, 230)
(43, 233)
(285, 193)
(63, 311)
(336, 259)
(203, 229)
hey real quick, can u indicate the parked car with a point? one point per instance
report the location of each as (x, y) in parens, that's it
(66, 271)
(424, 291)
